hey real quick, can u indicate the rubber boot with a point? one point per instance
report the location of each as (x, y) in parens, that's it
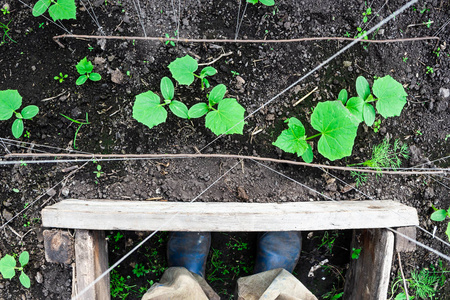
(280, 249)
(189, 250)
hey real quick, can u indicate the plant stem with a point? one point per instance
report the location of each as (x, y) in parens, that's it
(311, 137)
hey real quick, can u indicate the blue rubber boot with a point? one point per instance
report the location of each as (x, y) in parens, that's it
(189, 250)
(280, 249)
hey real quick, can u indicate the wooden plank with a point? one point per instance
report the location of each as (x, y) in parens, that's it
(368, 276)
(213, 216)
(402, 244)
(91, 260)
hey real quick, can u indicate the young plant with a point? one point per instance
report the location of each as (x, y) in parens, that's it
(8, 268)
(227, 118)
(5, 9)
(78, 129)
(265, 2)
(367, 13)
(6, 29)
(430, 70)
(57, 9)
(60, 77)
(338, 121)
(84, 68)
(10, 101)
(183, 69)
(439, 215)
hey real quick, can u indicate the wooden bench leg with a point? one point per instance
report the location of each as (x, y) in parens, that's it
(91, 260)
(368, 276)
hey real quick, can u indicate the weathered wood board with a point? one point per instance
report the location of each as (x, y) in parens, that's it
(229, 216)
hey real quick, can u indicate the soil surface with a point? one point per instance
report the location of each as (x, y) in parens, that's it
(253, 74)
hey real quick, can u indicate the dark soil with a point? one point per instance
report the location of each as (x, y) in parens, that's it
(29, 65)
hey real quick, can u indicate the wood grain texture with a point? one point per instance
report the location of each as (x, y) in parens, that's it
(229, 216)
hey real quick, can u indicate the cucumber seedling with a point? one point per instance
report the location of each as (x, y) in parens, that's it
(440, 215)
(10, 101)
(338, 121)
(85, 68)
(8, 268)
(183, 69)
(57, 9)
(265, 2)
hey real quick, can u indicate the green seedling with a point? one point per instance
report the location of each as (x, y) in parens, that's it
(419, 132)
(80, 124)
(429, 70)
(227, 118)
(440, 215)
(5, 9)
(129, 74)
(57, 9)
(405, 59)
(428, 23)
(60, 77)
(99, 172)
(41, 25)
(172, 43)
(140, 270)
(376, 125)
(84, 68)
(361, 32)
(10, 101)
(367, 13)
(438, 51)
(234, 73)
(265, 2)
(338, 121)
(328, 240)
(8, 268)
(183, 69)
(6, 29)
(356, 253)
(384, 156)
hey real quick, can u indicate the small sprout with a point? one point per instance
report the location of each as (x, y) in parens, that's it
(84, 68)
(5, 9)
(16, 190)
(129, 74)
(60, 77)
(265, 2)
(368, 12)
(418, 132)
(99, 171)
(429, 70)
(234, 73)
(437, 52)
(405, 59)
(8, 268)
(79, 127)
(356, 253)
(428, 23)
(376, 125)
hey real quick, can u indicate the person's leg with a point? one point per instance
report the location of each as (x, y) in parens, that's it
(276, 258)
(186, 254)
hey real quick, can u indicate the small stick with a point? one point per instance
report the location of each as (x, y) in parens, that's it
(403, 275)
(221, 55)
(306, 96)
(15, 232)
(421, 24)
(47, 99)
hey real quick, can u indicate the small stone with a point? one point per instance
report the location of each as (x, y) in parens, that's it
(442, 106)
(33, 68)
(7, 215)
(65, 191)
(99, 61)
(347, 63)
(444, 93)
(117, 76)
(242, 194)
(51, 192)
(111, 58)
(270, 117)
(429, 193)
(39, 278)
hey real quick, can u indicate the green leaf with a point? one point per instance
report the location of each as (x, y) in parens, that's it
(267, 2)
(252, 1)
(439, 215)
(338, 129)
(308, 156)
(362, 87)
(183, 69)
(167, 88)
(95, 77)
(7, 265)
(198, 110)
(447, 232)
(208, 71)
(10, 100)
(206, 83)
(227, 119)
(391, 96)
(29, 111)
(17, 128)
(355, 106)
(63, 10)
(217, 94)
(25, 280)
(368, 114)
(148, 110)
(292, 140)
(41, 7)
(24, 258)
(82, 79)
(179, 109)
(343, 96)
(84, 66)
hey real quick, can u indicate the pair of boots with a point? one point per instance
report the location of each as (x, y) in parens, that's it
(275, 250)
